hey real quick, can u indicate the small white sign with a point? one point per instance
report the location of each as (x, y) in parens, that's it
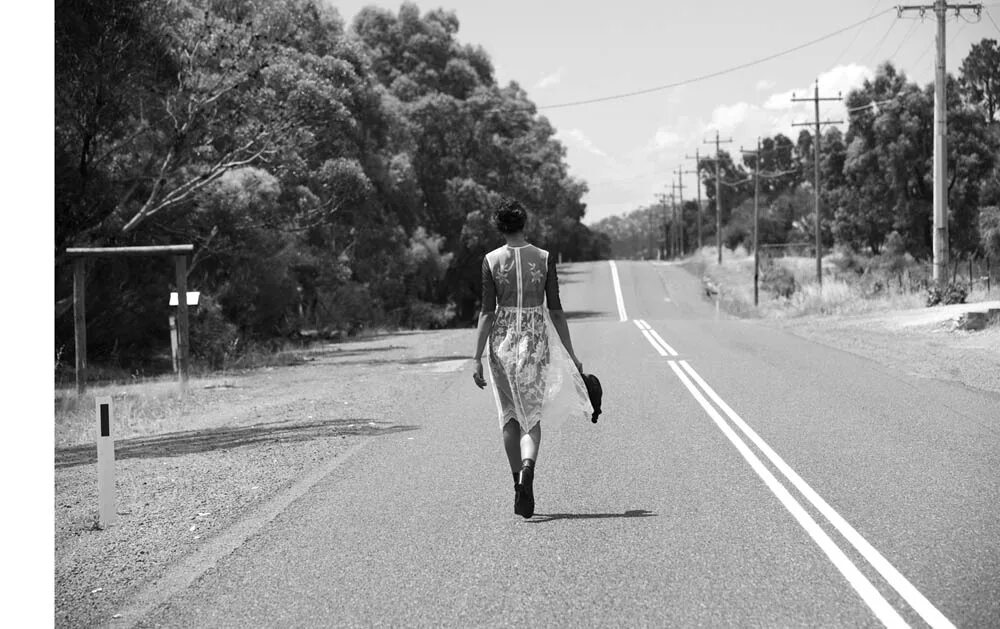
(192, 298)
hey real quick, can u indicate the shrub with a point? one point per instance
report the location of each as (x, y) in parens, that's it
(423, 315)
(213, 338)
(778, 280)
(734, 235)
(950, 294)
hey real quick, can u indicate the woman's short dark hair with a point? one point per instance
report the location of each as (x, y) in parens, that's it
(510, 217)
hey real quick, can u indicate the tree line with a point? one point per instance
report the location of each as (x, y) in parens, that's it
(876, 178)
(330, 176)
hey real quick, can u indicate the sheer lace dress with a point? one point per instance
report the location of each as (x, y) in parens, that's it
(532, 375)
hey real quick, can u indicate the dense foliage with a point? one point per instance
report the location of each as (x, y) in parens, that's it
(329, 177)
(876, 177)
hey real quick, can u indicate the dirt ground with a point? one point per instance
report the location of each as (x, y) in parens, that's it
(922, 342)
(237, 440)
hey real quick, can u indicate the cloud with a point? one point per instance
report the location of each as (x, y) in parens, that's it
(665, 137)
(841, 79)
(550, 79)
(728, 117)
(579, 138)
(764, 84)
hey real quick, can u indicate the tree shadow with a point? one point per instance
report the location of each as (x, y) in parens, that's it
(401, 361)
(549, 517)
(586, 314)
(211, 439)
(336, 353)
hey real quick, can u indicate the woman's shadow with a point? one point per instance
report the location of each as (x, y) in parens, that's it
(549, 517)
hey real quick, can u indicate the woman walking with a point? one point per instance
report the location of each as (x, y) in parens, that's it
(535, 374)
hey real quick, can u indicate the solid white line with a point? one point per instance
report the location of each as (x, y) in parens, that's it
(666, 346)
(639, 323)
(652, 342)
(910, 594)
(881, 607)
(618, 291)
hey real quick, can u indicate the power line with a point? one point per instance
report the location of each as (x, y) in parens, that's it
(991, 17)
(871, 53)
(913, 26)
(712, 75)
(856, 33)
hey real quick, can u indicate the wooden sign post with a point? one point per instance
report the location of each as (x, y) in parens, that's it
(107, 513)
(80, 324)
(179, 252)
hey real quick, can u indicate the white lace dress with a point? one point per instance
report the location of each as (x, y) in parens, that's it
(532, 375)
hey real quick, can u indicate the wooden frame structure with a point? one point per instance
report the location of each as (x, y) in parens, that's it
(79, 255)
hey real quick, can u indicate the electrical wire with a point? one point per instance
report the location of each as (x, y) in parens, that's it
(991, 17)
(856, 34)
(906, 38)
(712, 75)
(871, 53)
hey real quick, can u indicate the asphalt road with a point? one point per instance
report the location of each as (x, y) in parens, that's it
(739, 476)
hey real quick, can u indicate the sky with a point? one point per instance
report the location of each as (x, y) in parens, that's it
(628, 149)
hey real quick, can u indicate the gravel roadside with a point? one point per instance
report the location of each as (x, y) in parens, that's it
(921, 342)
(257, 435)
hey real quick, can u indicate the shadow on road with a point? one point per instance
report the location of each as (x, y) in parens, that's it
(549, 517)
(401, 361)
(361, 351)
(194, 441)
(587, 314)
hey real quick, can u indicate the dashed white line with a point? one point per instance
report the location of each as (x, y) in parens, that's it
(618, 291)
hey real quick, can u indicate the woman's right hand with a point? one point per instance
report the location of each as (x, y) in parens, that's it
(477, 374)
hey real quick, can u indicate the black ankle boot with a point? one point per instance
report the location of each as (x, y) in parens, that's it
(524, 496)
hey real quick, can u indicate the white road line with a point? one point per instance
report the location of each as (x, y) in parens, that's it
(655, 340)
(660, 350)
(618, 291)
(646, 329)
(881, 607)
(910, 594)
(670, 350)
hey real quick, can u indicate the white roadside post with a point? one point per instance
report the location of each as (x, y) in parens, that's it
(105, 463)
(192, 300)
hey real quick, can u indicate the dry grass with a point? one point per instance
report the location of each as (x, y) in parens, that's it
(144, 408)
(840, 293)
(155, 405)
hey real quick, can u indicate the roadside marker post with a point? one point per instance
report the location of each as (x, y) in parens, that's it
(192, 300)
(107, 513)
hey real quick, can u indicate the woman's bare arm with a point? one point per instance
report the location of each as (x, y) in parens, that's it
(485, 326)
(562, 328)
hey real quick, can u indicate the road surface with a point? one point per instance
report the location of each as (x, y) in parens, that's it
(739, 476)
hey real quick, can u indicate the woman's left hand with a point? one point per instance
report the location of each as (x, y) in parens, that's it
(477, 375)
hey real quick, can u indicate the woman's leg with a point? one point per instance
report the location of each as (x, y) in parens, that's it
(529, 443)
(524, 498)
(512, 445)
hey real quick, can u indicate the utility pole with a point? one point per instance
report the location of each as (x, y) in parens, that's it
(718, 197)
(679, 187)
(756, 196)
(816, 99)
(652, 232)
(940, 8)
(666, 232)
(697, 173)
